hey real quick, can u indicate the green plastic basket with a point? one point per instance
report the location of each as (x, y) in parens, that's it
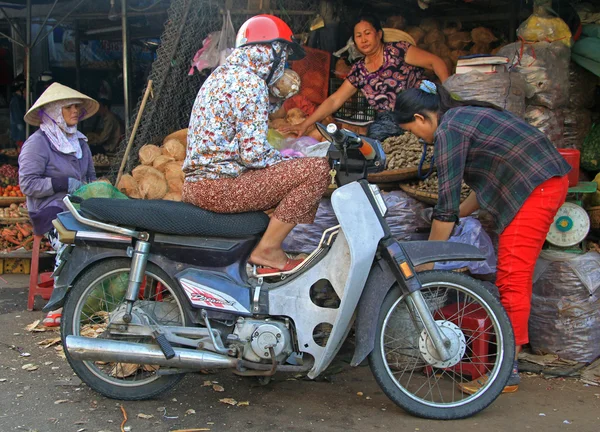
(99, 189)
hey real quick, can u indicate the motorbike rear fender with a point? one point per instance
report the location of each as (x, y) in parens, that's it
(381, 280)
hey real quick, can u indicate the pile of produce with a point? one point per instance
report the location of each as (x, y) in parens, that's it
(405, 151)
(16, 236)
(9, 175)
(11, 191)
(450, 41)
(160, 175)
(12, 153)
(101, 160)
(11, 212)
(296, 116)
(430, 185)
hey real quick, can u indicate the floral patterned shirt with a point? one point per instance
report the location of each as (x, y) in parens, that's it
(227, 134)
(381, 87)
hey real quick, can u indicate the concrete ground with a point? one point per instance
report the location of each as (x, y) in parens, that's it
(47, 396)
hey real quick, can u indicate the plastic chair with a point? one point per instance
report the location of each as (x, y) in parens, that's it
(40, 284)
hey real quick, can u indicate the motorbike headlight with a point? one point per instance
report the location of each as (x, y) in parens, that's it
(381, 206)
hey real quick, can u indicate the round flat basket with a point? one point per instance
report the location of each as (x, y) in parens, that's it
(397, 175)
(419, 195)
(10, 221)
(6, 201)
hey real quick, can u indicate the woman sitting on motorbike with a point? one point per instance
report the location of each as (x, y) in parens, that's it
(515, 174)
(230, 166)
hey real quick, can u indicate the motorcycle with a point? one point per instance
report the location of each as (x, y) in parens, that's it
(153, 290)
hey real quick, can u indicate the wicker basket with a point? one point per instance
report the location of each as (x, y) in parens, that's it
(6, 201)
(10, 221)
(594, 213)
(397, 175)
(419, 195)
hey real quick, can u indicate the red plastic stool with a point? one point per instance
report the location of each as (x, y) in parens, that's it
(39, 284)
(475, 325)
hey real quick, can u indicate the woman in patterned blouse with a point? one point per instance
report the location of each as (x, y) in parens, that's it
(230, 166)
(386, 70)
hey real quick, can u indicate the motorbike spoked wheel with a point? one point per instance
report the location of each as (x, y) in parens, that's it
(405, 364)
(99, 295)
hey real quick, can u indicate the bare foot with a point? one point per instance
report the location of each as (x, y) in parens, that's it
(275, 258)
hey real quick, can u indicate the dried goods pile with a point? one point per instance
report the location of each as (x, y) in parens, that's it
(101, 160)
(160, 176)
(16, 236)
(430, 185)
(405, 151)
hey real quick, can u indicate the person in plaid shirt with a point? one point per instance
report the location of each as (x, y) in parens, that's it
(515, 174)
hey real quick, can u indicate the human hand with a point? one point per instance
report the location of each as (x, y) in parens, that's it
(74, 184)
(299, 129)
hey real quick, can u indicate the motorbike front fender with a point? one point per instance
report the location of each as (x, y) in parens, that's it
(381, 280)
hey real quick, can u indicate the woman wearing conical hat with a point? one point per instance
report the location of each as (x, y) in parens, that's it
(56, 159)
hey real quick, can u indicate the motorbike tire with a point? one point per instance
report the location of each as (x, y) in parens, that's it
(84, 284)
(399, 392)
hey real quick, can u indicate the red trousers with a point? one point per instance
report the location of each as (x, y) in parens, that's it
(520, 245)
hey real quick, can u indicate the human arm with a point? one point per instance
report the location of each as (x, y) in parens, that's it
(469, 205)
(252, 127)
(417, 57)
(90, 175)
(108, 126)
(32, 167)
(328, 107)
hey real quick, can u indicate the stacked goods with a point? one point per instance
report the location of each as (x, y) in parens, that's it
(577, 116)
(16, 236)
(160, 176)
(101, 160)
(430, 185)
(449, 42)
(405, 151)
(11, 212)
(545, 68)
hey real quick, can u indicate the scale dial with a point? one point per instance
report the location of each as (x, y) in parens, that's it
(570, 227)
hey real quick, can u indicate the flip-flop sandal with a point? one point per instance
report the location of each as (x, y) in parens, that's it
(52, 319)
(290, 264)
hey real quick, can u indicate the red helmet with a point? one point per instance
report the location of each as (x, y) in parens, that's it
(263, 29)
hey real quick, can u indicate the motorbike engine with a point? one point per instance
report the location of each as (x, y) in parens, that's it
(258, 335)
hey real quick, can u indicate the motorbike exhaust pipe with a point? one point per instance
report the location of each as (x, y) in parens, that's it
(90, 349)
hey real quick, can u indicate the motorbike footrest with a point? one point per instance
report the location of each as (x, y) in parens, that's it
(165, 346)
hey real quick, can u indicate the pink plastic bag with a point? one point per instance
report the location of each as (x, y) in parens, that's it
(207, 57)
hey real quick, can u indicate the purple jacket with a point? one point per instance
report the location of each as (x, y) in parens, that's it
(44, 174)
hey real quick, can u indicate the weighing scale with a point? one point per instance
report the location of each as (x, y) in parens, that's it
(571, 224)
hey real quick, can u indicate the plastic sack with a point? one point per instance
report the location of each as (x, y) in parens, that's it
(543, 25)
(578, 123)
(207, 57)
(506, 90)
(99, 189)
(582, 87)
(588, 47)
(565, 307)
(590, 154)
(550, 122)
(402, 218)
(469, 231)
(353, 52)
(226, 39)
(545, 68)
(275, 139)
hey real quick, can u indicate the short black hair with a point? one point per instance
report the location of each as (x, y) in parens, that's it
(104, 102)
(371, 19)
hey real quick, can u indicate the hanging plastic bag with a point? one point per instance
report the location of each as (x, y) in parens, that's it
(227, 39)
(544, 25)
(207, 57)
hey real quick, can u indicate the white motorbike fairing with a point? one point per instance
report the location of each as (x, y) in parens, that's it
(346, 267)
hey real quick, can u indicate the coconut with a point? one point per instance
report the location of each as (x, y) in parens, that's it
(429, 24)
(460, 40)
(175, 184)
(173, 196)
(160, 162)
(480, 48)
(127, 185)
(180, 135)
(295, 116)
(148, 153)
(417, 34)
(454, 55)
(175, 149)
(342, 69)
(439, 49)
(286, 86)
(396, 21)
(152, 184)
(452, 27)
(173, 171)
(434, 36)
(139, 171)
(278, 123)
(483, 35)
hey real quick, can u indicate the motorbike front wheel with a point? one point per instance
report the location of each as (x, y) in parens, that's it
(97, 299)
(481, 343)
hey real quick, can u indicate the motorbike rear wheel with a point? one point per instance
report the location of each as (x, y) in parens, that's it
(92, 303)
(405, 364)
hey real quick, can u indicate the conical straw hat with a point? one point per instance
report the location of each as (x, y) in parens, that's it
(395, 35)
(57, 92)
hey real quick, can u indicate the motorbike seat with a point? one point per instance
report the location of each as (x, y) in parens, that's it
(176, 218)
